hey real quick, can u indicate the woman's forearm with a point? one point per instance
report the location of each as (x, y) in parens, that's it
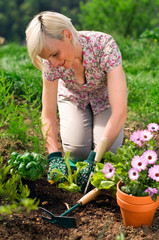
(49, 129)
(117, 91)
(114, 127)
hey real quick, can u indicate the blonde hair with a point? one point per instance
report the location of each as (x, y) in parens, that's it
(44, 24)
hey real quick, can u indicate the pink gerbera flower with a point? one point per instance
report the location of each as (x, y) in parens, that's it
(146, 135)
(154, 173)
(108, 170)
(151, 191)
(136, 138)
(150, 156)
(139, 163)
(153, 127)
(133, 174)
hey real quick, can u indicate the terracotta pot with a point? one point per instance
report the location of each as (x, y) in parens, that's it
(136, 211)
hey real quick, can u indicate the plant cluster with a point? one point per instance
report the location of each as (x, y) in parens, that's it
(151, 34)
(68, 183)
(13, 194)
(136, 163)
(20, 116)
(30, 166)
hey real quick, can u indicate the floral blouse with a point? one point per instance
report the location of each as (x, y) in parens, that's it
(100, 55)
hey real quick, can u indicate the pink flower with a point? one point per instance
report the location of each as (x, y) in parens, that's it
(146, 135)
(108, 170)
(150, 156)
(133, 174)
(154, 173)
(139, 163)
(136, 138)
(153, 127)
(151, 191)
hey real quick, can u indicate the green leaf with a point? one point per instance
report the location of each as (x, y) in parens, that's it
(116, 178)
(106, 184)
(79, 166)
(97, 178)
(58, 175)
(33, 174)
(126, 189)
(21, 167)
(37, 157)
(67, 155)
(14, 155)
(31, 164)
(71, 188)
(43, 166)
(99, 167)
(27, 155)
(154, 197)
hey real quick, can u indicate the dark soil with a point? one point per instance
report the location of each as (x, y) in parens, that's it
(99, 219)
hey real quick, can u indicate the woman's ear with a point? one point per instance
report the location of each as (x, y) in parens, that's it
(67, 34)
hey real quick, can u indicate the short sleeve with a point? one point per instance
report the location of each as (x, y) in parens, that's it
(51, 74)
(110, 55)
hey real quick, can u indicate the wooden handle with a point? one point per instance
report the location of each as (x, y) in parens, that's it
(101, 149)
(89, 196)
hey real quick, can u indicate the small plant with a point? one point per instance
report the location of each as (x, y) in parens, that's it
(30, 166)
(17, 127)
(136, 163)
(68, 183)
(120, 236)
(7, 105)
(13, 194)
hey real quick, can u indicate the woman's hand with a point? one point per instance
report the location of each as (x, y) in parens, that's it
(55, 160)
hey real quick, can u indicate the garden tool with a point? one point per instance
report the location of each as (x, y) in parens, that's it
(101, 149)
(70, 222)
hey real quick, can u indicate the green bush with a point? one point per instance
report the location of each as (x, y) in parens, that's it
(127, 18)
(13, 194)
(151, 34)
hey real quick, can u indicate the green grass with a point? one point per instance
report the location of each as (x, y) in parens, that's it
(20, 117)
(140, 63)
(16, 66)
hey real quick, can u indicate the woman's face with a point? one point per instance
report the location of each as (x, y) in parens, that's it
(60, 52)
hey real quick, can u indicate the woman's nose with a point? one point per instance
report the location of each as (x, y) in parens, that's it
(53, 62)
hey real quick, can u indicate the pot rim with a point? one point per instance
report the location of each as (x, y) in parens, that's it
(132, 199)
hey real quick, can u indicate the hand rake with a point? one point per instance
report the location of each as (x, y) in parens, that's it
(70, 222)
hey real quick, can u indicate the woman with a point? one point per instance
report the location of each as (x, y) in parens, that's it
(83, 76)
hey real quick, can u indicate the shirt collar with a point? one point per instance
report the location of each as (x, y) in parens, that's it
(87, 48)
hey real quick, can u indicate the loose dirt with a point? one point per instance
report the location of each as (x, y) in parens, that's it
(99, 219)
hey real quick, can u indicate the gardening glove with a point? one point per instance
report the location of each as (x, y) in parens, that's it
(55, 160)
(84, 173)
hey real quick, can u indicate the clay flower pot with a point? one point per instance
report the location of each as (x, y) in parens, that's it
(136, 211)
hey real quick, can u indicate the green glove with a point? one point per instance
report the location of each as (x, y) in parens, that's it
(55, 160)
(84, 173)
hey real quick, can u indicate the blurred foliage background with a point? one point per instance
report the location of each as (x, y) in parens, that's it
(129, 18)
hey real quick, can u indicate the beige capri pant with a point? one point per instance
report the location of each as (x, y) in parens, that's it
(80, 130)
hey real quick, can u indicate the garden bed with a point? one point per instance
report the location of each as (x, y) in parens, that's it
(99, 219)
